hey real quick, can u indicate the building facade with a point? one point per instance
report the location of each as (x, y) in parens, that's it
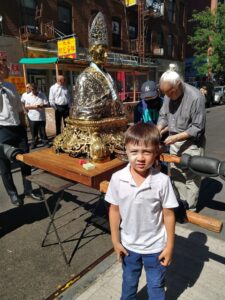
(144, 37)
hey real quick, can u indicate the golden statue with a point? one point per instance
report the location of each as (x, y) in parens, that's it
(97, 122)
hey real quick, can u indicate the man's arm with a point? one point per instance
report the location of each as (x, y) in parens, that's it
(114, 221)
(182, 136)
(169, 221)
(163, 116)
(51, 97)
(198, 117)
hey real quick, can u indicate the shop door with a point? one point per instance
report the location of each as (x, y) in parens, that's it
(40, 81)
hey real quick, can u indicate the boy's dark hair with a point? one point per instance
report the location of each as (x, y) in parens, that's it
(144, 132)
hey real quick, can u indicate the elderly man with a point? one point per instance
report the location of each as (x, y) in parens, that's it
(183, 112)
(12, 133)
(60, 100)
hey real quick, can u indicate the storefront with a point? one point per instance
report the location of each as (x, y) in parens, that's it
(129, 79)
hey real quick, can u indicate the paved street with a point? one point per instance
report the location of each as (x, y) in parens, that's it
(29, 271)
(197, 258)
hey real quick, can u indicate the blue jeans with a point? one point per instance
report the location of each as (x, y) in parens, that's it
(155, 275)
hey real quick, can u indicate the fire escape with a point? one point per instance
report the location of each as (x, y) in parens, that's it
(145, 15)
(43, 30)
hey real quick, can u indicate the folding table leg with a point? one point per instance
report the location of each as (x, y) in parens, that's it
(59, 198)
(51, 223)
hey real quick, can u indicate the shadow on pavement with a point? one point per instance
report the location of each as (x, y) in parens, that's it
(16, 217)
(209, 188)
(190, 255)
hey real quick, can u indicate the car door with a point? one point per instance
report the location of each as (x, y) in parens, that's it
(223, 94)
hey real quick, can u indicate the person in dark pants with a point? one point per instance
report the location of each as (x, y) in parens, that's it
(183, 113)
(35, 103)
(60, 100)
(13, 133)
(141, 215)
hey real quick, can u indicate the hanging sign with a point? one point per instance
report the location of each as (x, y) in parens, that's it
(130, 2)
(67, 48)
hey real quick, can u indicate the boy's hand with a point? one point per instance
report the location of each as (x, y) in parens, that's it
(165, 257)
(120, 251)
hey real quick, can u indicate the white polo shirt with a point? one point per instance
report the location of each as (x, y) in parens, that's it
(36, 114)
(142, 227)
(24, 97)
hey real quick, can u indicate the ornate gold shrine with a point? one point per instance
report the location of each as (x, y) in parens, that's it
(96, 126)
(94, 139)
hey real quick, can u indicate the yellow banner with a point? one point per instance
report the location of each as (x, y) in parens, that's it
(67, 48)
(130, 2)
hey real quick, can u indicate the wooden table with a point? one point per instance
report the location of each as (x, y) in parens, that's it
(68, 167)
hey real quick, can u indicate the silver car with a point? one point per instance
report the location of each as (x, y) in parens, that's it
(219, 96)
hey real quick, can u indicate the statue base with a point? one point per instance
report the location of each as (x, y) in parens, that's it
(95, 140)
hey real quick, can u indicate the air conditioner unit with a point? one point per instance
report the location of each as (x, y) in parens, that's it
(158, 51)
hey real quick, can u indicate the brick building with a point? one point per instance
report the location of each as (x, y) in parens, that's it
(144, 37)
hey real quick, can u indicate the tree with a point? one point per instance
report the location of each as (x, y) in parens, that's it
(208, 40)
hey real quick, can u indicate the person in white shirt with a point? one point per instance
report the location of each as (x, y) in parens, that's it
(60, 100)
(13, 133)
(27, 93)
(34, 103)
(141, 215)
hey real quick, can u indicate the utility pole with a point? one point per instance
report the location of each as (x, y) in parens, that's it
(214, 4)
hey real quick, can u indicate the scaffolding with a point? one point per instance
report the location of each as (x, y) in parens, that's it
(147, 9)
(43, 30)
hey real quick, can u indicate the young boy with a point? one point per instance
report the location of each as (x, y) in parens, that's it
(141, 214)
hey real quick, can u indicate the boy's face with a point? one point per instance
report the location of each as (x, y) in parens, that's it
(141, 157)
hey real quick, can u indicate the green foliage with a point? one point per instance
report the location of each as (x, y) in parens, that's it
(209, 31)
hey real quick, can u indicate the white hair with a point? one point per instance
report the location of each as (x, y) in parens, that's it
(171, 75)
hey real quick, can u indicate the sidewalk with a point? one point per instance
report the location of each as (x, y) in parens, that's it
(197, 273)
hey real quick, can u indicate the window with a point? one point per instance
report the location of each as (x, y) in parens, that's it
(182, 15)
(154, 5)
(132, 32)
(158, 44)
(28, 13)
(170, 45)
(64, 18)
(171, 10)
(148, 41)
(116, 33)
(29, 3)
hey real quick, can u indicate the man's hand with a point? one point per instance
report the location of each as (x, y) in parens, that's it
(171, 140)
(182, 136)
(120, 251)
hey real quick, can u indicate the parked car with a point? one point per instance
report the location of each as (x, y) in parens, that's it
(219, 97)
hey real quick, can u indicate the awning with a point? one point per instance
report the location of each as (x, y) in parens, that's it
(38, 60)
